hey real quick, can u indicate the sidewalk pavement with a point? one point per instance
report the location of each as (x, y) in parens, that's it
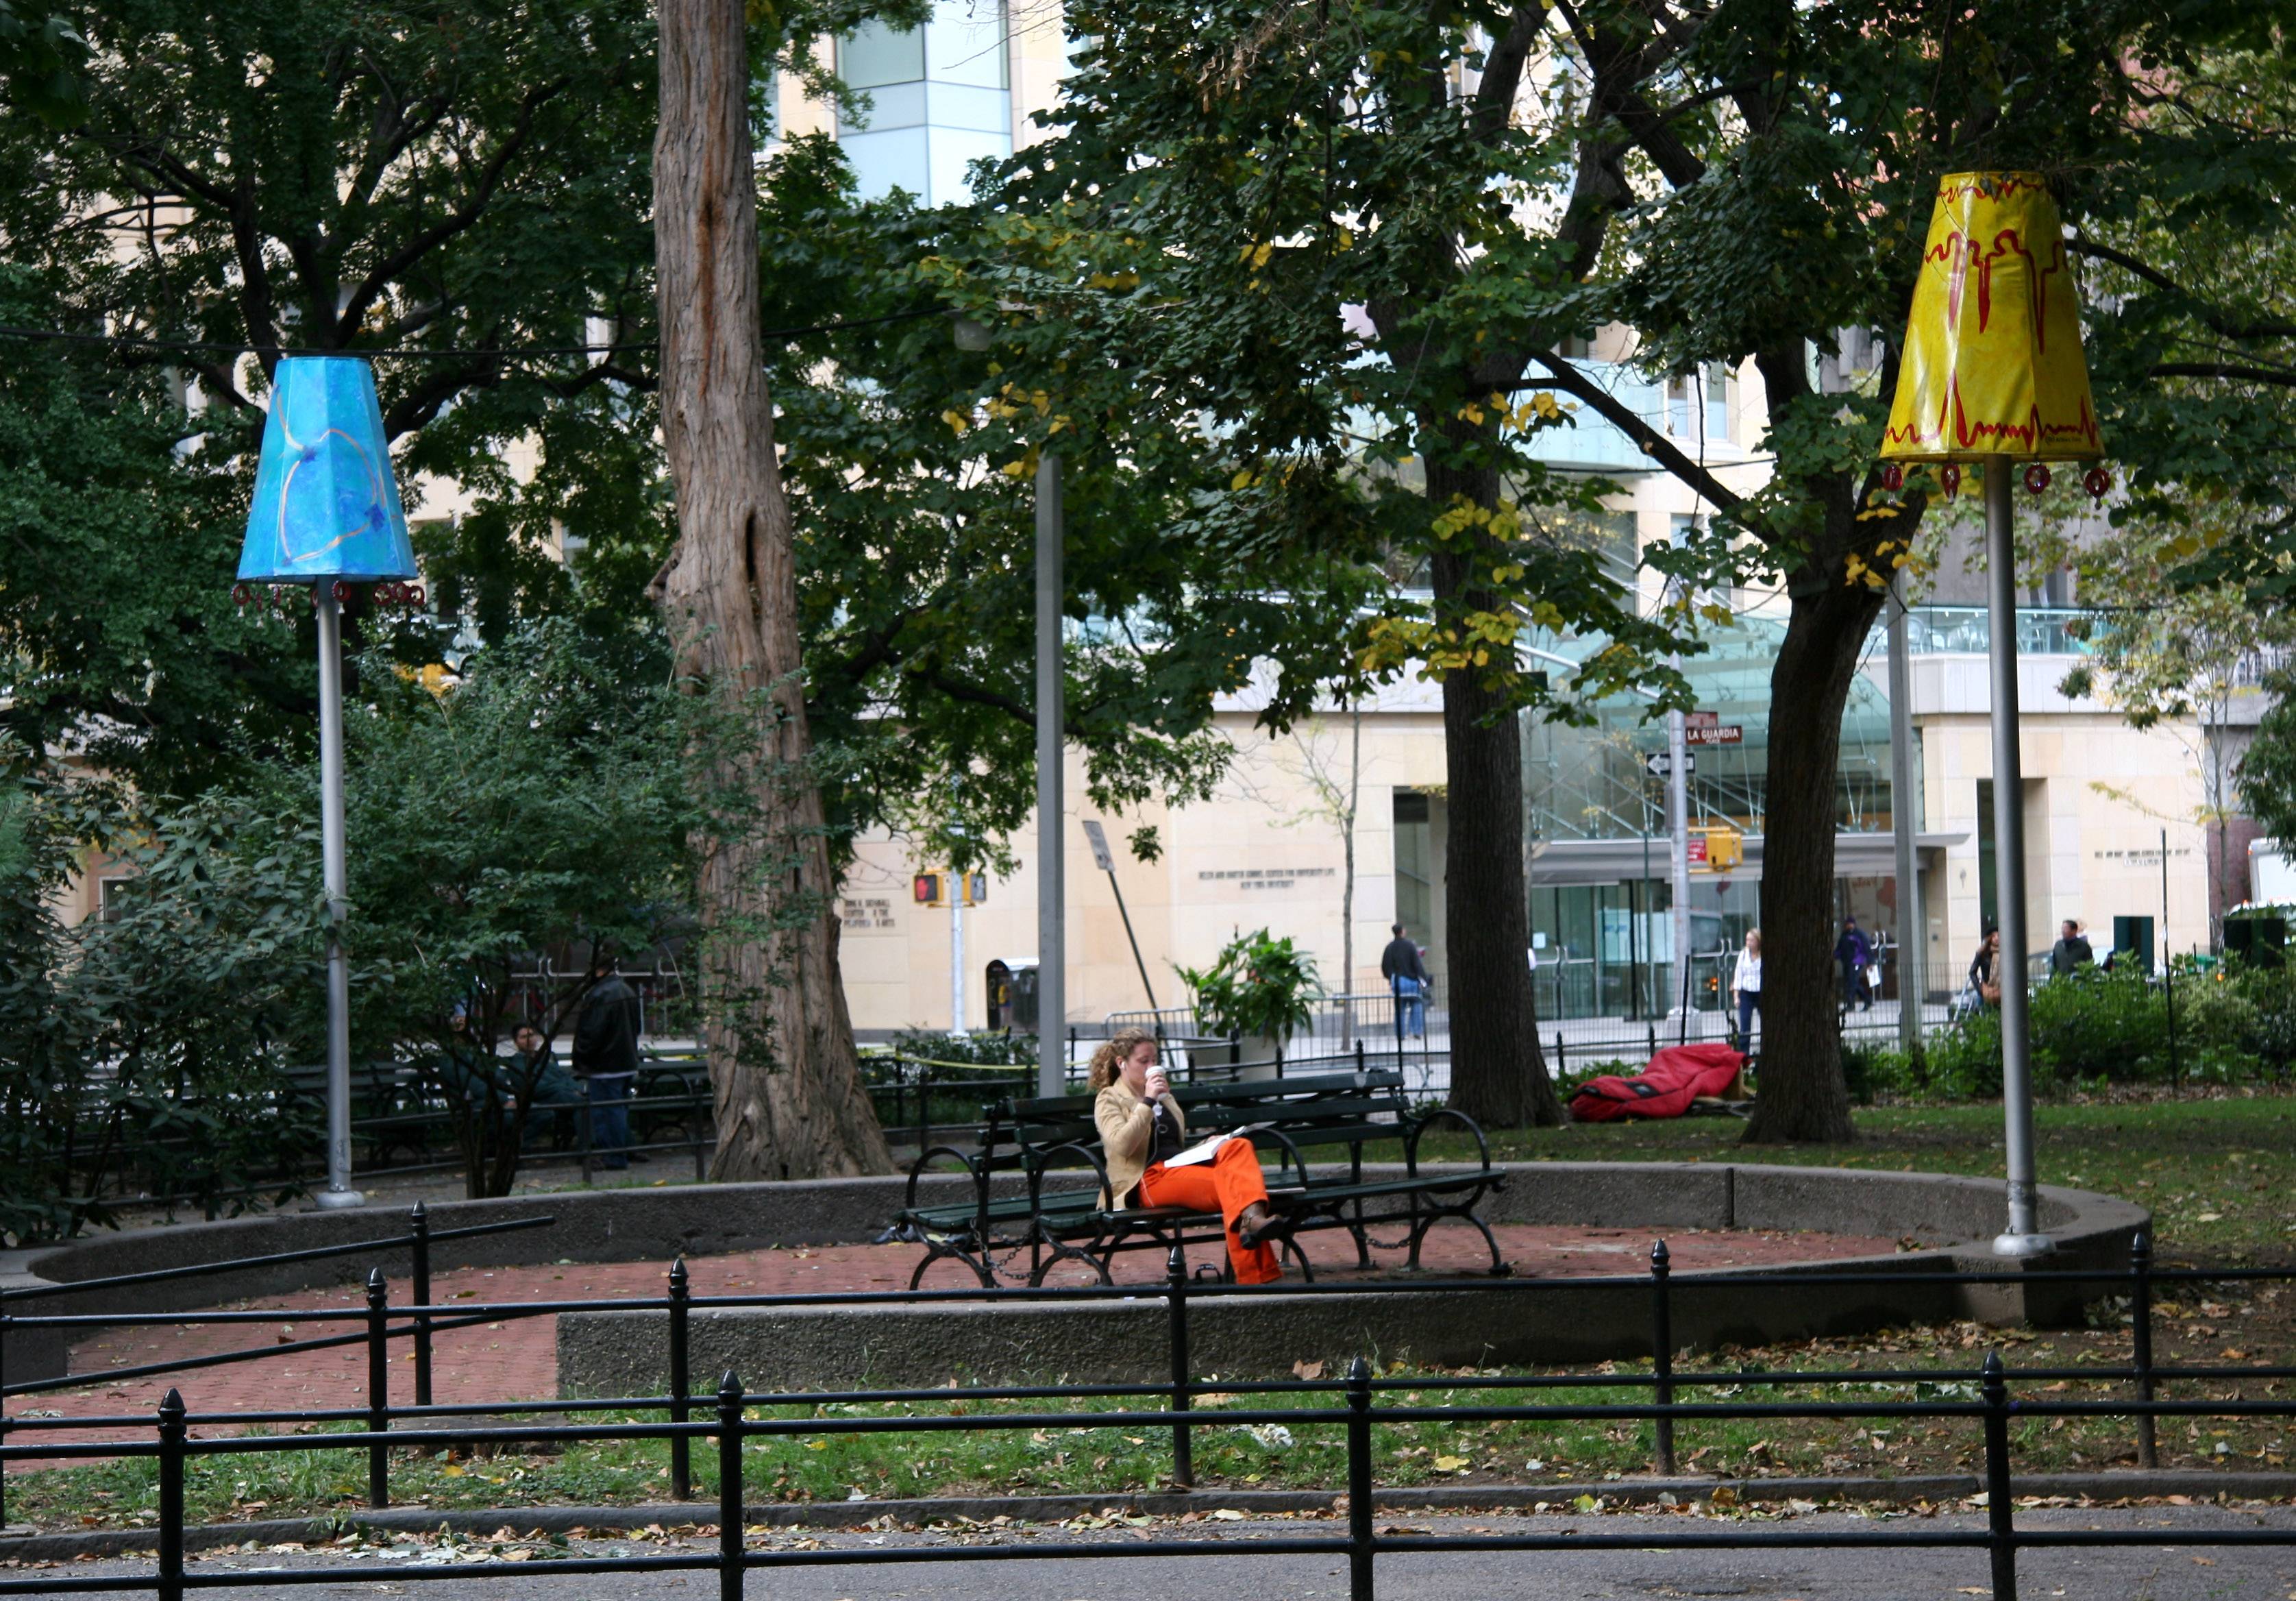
(2183, 1572)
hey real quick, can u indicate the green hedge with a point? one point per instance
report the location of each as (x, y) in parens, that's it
(2095, 1029)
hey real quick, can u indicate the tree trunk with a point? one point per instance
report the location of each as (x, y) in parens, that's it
(783, 1069)
(1803, 1095)
(1498, 1073)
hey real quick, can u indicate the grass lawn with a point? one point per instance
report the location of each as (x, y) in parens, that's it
(2220, 1173)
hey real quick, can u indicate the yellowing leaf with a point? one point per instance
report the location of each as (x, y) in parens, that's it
(956, 421)
(1450, 1465)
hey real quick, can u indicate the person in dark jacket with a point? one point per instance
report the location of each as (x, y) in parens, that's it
(545, 1088)
(2071, 951)
(606, 1060)
(1406, 980)
(1854, 956)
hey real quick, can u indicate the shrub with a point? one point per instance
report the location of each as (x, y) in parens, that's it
(1260, 986)
(2094, 1024)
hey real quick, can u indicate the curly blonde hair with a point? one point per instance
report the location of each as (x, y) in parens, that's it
(1107, 1060)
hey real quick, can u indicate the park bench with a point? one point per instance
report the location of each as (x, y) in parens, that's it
(1027, 1143)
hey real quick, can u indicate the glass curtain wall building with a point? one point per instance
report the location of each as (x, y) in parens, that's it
(1601, 893)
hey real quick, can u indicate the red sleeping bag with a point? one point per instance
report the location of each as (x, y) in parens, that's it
(1675, 1076)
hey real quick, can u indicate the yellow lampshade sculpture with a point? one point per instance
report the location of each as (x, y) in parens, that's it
(1992, 367)
(1991, 372)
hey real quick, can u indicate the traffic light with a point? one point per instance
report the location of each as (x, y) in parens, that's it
(928, 888)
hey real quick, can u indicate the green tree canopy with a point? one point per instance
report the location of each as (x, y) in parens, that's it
(1366, 232)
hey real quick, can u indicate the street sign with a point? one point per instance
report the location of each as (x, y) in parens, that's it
(1700, 719)
(1095, 836)
(1713, 734)
(1661, 765)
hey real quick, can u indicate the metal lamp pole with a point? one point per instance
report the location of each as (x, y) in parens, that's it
(337, 879)
(1913, 928)
(1051, 878)
(2023, 1236)
(1051, 715)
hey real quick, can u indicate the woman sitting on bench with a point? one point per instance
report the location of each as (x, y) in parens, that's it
(1140, 1126)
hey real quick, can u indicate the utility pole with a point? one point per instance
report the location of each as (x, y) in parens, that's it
(957, 884)
(1052, 882)
(1913, 928)
(1678, 821)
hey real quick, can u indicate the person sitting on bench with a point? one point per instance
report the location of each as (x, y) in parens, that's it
(1141, 1126)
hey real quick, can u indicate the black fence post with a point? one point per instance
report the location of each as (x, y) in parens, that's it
(1360, 1056)
(582, 1120)
(2140, 1343)
(1561, 1062)
(418, 1228)
(378, 1388)
(1651, 1046)
(4, 1321)
(681, 1452)
(729, 1487)
(2000, 1521)
(1360, 1543)
(924, 1105)
(1662, 1352)
(1176, 1305)
(171, 1497)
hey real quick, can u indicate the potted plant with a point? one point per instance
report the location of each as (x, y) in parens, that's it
(1260, 988)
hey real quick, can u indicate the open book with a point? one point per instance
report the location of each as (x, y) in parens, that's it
(1205, 1149)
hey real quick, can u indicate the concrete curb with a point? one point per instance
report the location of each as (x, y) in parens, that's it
(2200, 1484)
(1948, 1215)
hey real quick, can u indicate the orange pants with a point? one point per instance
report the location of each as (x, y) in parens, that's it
(1226, 1184)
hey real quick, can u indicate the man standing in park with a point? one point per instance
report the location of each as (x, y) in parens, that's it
(1406, 980)
(1853, 955)
(2071, 951)
(606, 1060)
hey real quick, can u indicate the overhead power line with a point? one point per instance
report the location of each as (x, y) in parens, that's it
(128, 341)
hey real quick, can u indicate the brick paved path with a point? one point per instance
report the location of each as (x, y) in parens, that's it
(517, 1359)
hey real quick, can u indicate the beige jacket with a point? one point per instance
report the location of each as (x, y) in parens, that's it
(1127, 1131)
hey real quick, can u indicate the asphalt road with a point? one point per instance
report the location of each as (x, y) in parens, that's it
(2181, 1571)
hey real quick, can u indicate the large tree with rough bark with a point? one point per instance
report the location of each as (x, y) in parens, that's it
(790, 1099)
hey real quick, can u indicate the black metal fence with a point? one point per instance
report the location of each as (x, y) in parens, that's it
(725, 1423)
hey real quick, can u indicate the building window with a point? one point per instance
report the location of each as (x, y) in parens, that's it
(1718, 401)
(938, 101)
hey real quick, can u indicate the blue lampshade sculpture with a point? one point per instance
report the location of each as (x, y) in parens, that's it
(326, 513)
(326, 503)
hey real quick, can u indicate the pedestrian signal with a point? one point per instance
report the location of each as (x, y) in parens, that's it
(934, 889)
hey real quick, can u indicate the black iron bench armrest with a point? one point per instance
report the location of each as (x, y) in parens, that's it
(1040, 1162)
(1420, 1126)
(917, 1171)
(1292, 1158)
